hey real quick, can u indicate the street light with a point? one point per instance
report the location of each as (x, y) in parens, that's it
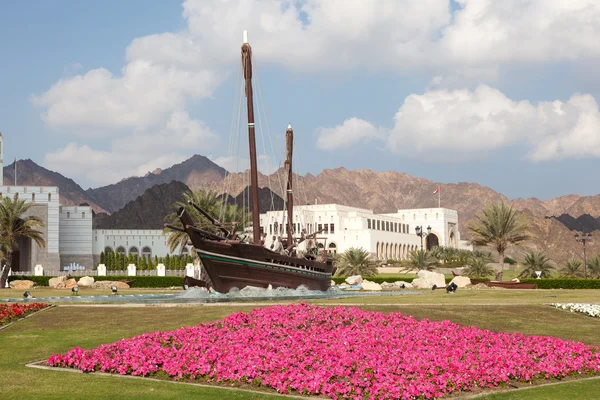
(584, 238)
(421, 233)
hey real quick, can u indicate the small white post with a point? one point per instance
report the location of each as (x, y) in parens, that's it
(160, 270)
(131, 270)
(101, 270)
(245, 36)
(39, 270)
(9, 274)
(189, 270)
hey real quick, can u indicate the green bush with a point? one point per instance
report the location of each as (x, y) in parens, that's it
(508, 260)
(390, 279)
(38, 280)
(138, 281)
(564, 283)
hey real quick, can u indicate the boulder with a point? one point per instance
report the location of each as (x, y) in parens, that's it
(406, 285)
(368, 285)
(387, 285)
(354, 280)
(70, 283)
(85, 281)
(21, 284)
(426, 280)
(515, 280)
(333, 283)
(461, 281)
(109, 284)
(58, 282)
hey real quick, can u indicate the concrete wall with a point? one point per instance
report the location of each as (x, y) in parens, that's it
(76, 236)
(46, 207)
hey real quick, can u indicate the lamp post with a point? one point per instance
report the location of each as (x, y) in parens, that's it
(584, 238)
(421, 233)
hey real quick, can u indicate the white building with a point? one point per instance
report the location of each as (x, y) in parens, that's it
(385, 236)
(67, 230)
(146, 242)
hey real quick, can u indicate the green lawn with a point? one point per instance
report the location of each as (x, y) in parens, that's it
(63, 327)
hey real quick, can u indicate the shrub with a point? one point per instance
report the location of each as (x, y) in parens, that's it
(138, 281)
(508, 260)
(564, 283)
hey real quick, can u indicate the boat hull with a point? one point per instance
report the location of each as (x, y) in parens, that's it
(240, 265)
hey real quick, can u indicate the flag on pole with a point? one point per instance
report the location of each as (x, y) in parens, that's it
(437, 191)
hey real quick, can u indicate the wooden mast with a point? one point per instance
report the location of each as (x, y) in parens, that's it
(247, 65)
(289, 144)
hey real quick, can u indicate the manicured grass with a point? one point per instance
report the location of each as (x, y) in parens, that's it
(62, 328)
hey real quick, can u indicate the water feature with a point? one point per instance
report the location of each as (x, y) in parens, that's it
(201, 295)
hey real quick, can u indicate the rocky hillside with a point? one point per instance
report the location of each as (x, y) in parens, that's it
(195, 172)
(583, 223)
(147, 211)
(31, 174)
(381, 192)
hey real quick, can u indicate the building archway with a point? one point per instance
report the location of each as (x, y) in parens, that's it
(432, 241)
(332, 249)
(147, 252)
(452, 240)
(108, 249)
(121, 250)
(133, 250)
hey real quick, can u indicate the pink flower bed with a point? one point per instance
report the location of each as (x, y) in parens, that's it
(341, 353)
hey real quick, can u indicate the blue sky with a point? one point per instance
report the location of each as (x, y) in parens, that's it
(505, 95)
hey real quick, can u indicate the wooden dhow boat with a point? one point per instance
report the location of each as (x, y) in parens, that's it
(230, 262)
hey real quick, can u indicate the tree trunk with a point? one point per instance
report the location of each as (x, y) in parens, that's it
(6, 266)
(501, 265)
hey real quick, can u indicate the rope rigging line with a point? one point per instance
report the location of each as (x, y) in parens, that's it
(233, 132)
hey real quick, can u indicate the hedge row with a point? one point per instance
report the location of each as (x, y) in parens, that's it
(564, 283)
(390, 279)
(138, 281)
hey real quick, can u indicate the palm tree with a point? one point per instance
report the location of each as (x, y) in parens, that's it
(536, 262)
(594, 267)
(422, 259)
(355, 261)
(498, 226)
(13, 227)
(478, 268)
(572, 269)
(209, 201)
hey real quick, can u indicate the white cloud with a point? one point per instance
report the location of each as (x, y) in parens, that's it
(134, 155)
(467, 122)
(352, 131)
(486, 32)
(459, 121)
(165, 70)
(572, 129)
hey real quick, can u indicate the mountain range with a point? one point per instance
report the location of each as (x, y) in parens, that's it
(551, 221)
